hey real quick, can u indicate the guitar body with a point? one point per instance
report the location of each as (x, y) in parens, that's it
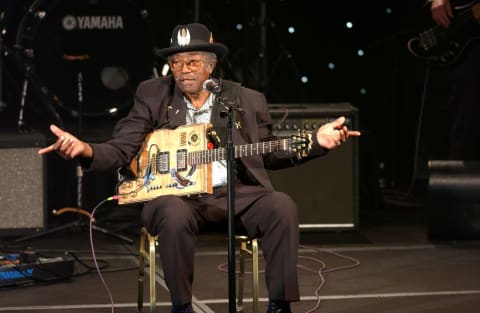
(444, 46)
(161, 168)
(178, 161)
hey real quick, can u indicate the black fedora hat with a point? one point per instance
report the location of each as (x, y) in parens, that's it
(192, 37)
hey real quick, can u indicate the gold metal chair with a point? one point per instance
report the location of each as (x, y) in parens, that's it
(147, 252)
(248, 246)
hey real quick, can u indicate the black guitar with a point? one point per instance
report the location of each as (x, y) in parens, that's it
(444, 46)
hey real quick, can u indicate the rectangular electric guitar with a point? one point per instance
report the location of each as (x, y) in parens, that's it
(444, 46)
(178, 161)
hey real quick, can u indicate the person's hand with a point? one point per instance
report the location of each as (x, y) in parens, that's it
(333, 134)
(442, 13)
(67, 145)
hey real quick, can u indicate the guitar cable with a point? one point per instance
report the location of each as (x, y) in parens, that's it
(419, 127)
(319, 268)
(94, 258)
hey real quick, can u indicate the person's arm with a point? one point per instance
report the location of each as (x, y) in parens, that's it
(442, 13)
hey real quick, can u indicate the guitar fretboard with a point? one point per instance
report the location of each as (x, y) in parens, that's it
(219, 154)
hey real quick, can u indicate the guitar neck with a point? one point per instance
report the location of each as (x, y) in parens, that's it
(219, 154)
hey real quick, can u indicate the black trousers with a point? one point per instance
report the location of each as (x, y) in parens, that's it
(464, 104)
(270, 216)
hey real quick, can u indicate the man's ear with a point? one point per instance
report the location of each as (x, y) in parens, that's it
(210, 67)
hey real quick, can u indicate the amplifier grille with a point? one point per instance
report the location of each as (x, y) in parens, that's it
(22, 183)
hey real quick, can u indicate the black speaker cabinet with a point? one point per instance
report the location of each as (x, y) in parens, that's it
(325, 189)
(453, 199)
(22, 183)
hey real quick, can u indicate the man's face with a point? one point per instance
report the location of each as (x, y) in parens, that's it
(190, 70)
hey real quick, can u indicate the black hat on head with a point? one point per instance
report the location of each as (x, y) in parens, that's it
(192, 37)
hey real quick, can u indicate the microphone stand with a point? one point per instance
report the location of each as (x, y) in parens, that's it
(26, 79)
(2, 31)
(229, 113)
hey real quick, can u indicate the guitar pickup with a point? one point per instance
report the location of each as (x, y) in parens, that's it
(182, 160)
(162, 162)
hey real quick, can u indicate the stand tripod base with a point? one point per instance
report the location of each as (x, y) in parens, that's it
(76, 224)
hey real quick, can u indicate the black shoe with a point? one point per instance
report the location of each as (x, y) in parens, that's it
(185, 308)
(279, 307)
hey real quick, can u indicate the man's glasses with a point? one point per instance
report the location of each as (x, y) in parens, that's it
(192, 64)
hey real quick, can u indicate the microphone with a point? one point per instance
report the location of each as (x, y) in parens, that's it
(212, 86)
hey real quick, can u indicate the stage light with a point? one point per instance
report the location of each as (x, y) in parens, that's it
(349, 24)
(304, 79)
(239, 26)
(113, 111)
(291, 29)
(331, 66)
(165, 69)
(363, 91)
(360, 53)
(388, 10)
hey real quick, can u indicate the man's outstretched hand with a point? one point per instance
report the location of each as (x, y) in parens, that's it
(67, 145)
(334, 133)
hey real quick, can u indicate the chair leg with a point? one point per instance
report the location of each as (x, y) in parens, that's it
(248, 247)
(141, 270)
(149, 255)
(241, 275)
(153, 293)
(255, 276)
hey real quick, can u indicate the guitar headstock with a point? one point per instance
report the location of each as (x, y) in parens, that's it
(301, 143)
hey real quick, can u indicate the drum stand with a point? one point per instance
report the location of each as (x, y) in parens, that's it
(21, 121)
(2, 30)
(80, 222)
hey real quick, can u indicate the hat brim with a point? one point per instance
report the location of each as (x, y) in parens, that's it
(219, 49)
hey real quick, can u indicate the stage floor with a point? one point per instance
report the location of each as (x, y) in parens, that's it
(386, 264)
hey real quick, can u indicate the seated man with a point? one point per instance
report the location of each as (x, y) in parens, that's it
(179, 99)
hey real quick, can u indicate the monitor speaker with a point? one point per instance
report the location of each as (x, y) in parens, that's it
(22, 183)
(325, 189)
(453, 200)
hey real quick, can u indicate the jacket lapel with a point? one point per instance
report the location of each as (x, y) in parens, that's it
(177, 110)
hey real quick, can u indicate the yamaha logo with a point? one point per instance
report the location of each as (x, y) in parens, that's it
(71, 22)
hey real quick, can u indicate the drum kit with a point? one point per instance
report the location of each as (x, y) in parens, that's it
(78, 59)
(81, 59)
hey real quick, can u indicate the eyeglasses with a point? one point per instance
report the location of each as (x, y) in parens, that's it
(192, 64)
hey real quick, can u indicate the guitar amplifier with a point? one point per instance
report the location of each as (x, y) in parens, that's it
(325, 189)
(453, 206)
(22, 183)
